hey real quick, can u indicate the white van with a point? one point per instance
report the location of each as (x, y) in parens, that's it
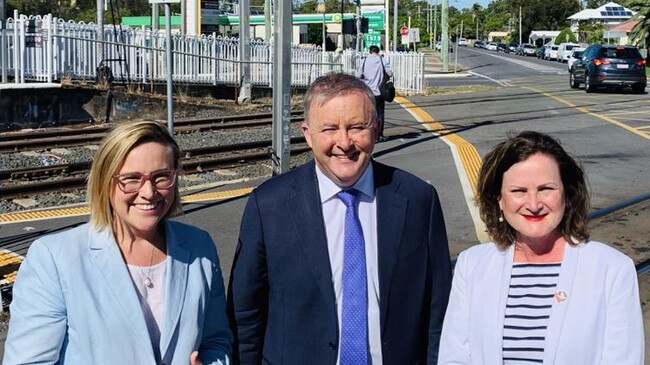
(564, 51)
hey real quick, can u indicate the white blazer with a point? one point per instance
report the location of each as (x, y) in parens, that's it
(599, 322)
(74, 303)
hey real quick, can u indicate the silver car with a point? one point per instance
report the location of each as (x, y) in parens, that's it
(576, 53)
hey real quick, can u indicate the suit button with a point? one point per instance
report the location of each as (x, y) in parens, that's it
(332, 346)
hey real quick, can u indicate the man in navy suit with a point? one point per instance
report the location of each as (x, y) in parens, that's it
(287, 285)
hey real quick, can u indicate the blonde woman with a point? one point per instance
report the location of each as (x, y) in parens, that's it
(130, 286)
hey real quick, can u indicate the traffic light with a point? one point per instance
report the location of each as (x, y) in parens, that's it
(350, 26)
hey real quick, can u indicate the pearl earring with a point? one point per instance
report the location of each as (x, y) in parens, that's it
(500, 219)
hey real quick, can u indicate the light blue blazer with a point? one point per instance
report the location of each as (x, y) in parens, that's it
(599, 322)
(74, 303)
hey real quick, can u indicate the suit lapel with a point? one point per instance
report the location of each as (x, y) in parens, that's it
(175, 286)
(106, 257)
(306, 215)
(391, 217)
(565, 284)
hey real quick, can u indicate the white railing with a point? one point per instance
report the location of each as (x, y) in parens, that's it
(48, 49)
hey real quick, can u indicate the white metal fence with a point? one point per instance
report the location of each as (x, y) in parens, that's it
(47, 49)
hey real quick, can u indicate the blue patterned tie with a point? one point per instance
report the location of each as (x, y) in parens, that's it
(354, 314)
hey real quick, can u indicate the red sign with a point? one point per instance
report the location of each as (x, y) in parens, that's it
(404, 30)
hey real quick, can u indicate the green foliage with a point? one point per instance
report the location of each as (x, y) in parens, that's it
(566, 35)
(641, 31)
(590, 32)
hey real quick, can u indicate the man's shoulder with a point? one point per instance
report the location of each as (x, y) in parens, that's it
(396, 175)
(287, 181)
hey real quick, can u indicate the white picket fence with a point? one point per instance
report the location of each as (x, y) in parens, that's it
(48, 49)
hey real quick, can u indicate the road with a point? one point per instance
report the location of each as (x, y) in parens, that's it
(441, 138)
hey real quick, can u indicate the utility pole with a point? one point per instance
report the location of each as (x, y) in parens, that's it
(386, 25)
(477, 27)
(100, 30)
(244, 52)
(445, 35)
(282, 87)
(395, 25)
(3, 52)
(358, 23)
(342, 22)
(429, 25)
(519, 24)
(267, 20)
(435, 22)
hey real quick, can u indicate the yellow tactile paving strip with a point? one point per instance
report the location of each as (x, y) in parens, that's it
(83, 210)
(469, 155)
(9, 263)
(466, 158)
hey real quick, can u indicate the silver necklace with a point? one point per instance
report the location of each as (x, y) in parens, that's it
(147, 279)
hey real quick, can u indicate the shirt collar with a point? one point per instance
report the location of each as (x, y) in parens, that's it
(328, 188)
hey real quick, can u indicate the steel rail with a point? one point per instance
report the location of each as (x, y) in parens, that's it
(192, 160)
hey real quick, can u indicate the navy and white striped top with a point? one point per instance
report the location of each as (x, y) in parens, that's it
(528, 308)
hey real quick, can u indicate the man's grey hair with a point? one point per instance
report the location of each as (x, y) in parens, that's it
(327, 87)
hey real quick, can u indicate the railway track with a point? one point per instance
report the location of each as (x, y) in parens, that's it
(20, 182)
(67, 137)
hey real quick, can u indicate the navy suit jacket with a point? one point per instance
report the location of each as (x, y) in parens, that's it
(282, 303)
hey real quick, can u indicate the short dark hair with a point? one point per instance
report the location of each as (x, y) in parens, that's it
(517, 149)
(374, 49)
(327, 87)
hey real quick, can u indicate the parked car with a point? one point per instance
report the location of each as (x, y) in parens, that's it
(551, 52)
(576, 53)
(462, 42)
(512, 47)
(491, 46)
(502, 47)
(478, 44)
(528, 50)
(609, 66)
(564, 51)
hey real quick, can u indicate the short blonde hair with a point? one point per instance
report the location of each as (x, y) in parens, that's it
(109, 159)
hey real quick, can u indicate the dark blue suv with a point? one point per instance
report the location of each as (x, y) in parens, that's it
(609, 66)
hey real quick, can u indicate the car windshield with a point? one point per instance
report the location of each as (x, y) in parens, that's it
(625, 53)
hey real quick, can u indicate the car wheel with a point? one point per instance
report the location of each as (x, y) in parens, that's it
(639, 88)
(572, 81)
(588, 86)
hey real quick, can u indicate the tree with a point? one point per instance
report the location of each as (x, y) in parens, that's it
(641, 31)
(566, 35)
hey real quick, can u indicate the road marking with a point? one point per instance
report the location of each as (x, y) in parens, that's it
(466, 159)
(35, 215)
(502, 83)
(531, 65)
(599, 116)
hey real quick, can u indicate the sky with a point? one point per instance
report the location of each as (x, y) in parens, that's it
(461, 4)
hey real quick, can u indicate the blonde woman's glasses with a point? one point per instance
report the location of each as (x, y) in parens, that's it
(133, 181)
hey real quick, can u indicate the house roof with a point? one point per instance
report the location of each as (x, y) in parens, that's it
(609, 11)
(626, 26)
